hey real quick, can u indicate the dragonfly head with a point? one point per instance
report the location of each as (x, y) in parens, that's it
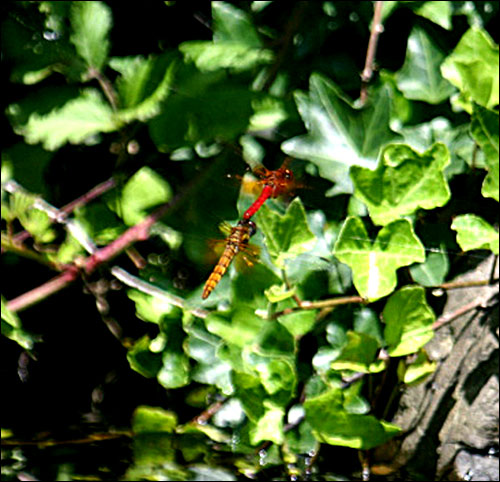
(252, 227)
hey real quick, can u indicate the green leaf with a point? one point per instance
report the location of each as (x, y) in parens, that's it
(473, 68)
(474, 232)
(153, 419)
(276, 374)
(35, 221)
(28, 165)
(239, 328)
(287, 235)
(332, 424)
(203, 110)
(237, 57)
(12, 328)
(408, 320)
(339, 134)
(202, 347)
(433, 271)
(233, 24)
(150, 308)
(145, 190)
(437, 12)
(142, 359)
(404, 181)
(461, 146)
(91, 22)
(174, 372)
(143, 85)
(359, 354)
(75, 122)
(367, 321)
(417, 371)
(420, 77)
(484, 129)
(299, 323)
(269, 426)
(374, 265)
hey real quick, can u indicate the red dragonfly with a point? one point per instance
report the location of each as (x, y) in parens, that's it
(276, 183)
(236, 242)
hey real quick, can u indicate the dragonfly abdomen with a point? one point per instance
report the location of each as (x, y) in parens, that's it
(239, 237)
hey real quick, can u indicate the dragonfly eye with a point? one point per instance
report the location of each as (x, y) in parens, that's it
(288, 175)
(252, 227)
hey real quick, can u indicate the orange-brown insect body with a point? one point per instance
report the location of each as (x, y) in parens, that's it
(281, 180)
(238, 239)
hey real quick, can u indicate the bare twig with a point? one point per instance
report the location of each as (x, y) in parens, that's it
(207, 414)
(145, 287)
(376, 30)
(449, 317)
(94, 193)
(41, 292)
(466, 284)
(106, 86)
(314, 305)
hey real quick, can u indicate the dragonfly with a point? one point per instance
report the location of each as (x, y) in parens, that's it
(276, 183)
(237, 241)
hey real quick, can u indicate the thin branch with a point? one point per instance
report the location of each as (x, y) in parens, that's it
(139, 232)
(376, 30)
(449, 317)
(59, 215)
(466, 284)
(207, 414)
(145, 287)
(106, 86)
(314, 305)
(41, 292)
(94, 193)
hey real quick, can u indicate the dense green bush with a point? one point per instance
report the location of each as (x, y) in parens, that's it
(392, 190)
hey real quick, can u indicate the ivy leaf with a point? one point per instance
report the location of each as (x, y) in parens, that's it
(91, 22)
(359, 354)
(144, 190)
(142, 359)
(12, 328)
(433, 271)
(153, 420)
(438, 12)
(237, 57)
(339, 134)
(74, 122)
(420, 78)
(484, 129)
(238, 328)
(408, 320)
(417, 371)
(403, 182)
(233, 24)
(210, 370)
(458, 140)
(473, 68)
(374, 265)
(332, 424)
(474, 232)
(203, 110)
(175, 369)
(143, 84)
(287, 235)
(269, 426)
